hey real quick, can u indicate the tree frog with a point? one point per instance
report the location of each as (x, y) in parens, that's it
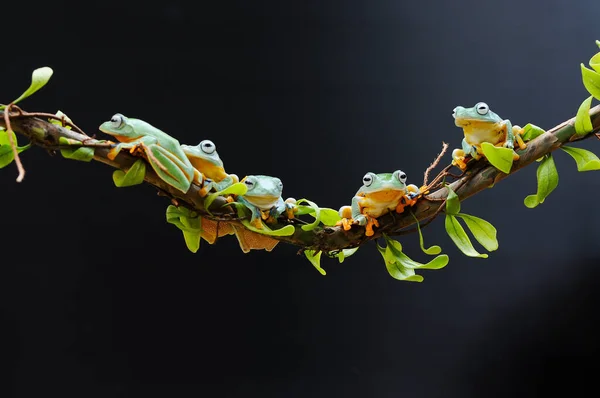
(206, 160)
(264, 200)
(379, 194)
(481, 125)
(162, 151)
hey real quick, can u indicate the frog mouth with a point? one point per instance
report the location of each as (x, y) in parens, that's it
(263, 202)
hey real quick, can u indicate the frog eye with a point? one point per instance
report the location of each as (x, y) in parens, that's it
(249, 183)
(117, 121)
(208, 147)
(400, 175)
(368, 179)
(482, 108)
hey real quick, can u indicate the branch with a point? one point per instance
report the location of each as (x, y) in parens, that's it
(479, 176)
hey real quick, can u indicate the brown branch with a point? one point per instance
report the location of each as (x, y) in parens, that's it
(478, 177)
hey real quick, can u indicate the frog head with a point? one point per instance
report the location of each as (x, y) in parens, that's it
(480, 113)
(205, 154)
(263, 191)
(384, 186)
(121, 126)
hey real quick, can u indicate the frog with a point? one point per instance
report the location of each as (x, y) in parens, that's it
(379, 194)
(481, 125)
(263, 198)
(205, 158)
(162, 151)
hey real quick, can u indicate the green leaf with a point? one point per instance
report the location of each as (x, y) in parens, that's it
(396, 249)
(433, 250)
(134, 176)
(460, 238)
(395, 269)
(586, 160)
(499, 157)
(483, 231)
(39, 78)
(189, 222)
(452, 202)
(285, 231)
(531, 131)
(583, 121)
(238, 188)
(345, 253)
(316, 215)
(315, 259)
(531, 201)
(547, 177)
(330, 217)
(6, 152)
(591, 81)
(595, 60)
(84, 154)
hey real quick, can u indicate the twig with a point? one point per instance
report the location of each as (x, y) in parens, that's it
(435, 163)
(13, 144)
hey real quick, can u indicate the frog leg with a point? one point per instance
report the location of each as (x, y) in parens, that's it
(224, 183)
(510, 137)
(371, 221)
(458, 159)
(255, 220)
(518, 133)
(170, 168)
(346, 220)
(132, 146)
(290, 208)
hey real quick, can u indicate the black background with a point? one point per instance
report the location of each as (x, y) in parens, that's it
(100, 298)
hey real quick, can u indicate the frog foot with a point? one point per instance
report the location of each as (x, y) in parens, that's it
(371, 221)
(516, 156)
(459, 159)
(346, 223)
(518, 132)
(290, 208)
(257, 223)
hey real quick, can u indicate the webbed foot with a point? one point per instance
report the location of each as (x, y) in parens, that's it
(371, 221)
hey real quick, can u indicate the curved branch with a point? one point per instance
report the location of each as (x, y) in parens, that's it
(478, 177)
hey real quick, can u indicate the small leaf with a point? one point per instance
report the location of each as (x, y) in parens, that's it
(547, 177)
(285, 231)
(460, 238)
(84, 154)
(60, 114)
(396, 248)
(452, 202)
(316, 215)
(591, 81)
(583, 121)
(531, 201)
(395, 269)
(330, 217)
(238, 188)
(315, 259)
(134, 176)
(499, 157)
(433, 250)
(586, 160)
(345, 253)
(595, 60)
(483, 231)
(189, 222)
(6, 152)
(531, 131)
(39, 78)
